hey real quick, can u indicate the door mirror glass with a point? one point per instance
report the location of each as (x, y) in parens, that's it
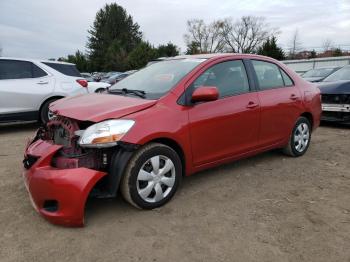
(205, 93)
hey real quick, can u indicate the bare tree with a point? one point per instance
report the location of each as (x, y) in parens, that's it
(247, 34)
(295, 45)
(207, 38)
(327, 45)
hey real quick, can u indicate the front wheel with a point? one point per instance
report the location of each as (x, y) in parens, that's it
(152, 176)
(300, 138)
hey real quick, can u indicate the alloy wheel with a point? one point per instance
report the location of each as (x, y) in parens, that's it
(301, 137)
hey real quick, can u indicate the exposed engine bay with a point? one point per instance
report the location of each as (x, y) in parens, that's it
(66, 132)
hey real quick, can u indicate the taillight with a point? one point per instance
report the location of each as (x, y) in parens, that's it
(82, 82)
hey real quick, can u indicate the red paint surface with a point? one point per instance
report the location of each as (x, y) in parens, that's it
(208, 133)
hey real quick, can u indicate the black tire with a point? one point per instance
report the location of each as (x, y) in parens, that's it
(100, 90)
(44, 111)
(291, 148)
(130, 183)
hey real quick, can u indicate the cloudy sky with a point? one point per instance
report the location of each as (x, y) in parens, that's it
(54, 28)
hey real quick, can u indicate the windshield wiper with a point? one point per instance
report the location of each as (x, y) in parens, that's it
(124, 91)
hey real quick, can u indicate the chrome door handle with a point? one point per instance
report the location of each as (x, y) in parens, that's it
(43, 82)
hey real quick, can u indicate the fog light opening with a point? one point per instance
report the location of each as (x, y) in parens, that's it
(51, 205)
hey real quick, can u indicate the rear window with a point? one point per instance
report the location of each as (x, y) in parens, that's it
(68, 70)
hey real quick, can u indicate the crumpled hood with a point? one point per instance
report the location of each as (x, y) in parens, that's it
(339, 87)
(98, 107)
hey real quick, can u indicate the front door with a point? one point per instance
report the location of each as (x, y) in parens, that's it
(228, 126)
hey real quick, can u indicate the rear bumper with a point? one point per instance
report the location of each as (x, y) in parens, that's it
(59, 195)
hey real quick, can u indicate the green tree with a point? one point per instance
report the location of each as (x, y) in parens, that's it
(193, 48)
(113, 35)
(141, 55)
(80, 60)
(337, 52)
(270, 48)
(313, 54)
(167, 50)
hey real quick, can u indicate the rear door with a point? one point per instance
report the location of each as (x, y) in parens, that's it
(228, 126)
(280, 102)
(23, 86)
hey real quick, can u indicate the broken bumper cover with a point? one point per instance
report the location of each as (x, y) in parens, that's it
(59, 195)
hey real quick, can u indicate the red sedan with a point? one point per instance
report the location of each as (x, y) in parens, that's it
(170, 119)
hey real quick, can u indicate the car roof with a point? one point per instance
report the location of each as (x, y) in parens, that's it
(217, 55)
(36, 60)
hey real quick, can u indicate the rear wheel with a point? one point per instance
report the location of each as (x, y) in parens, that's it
(300, 138)
(100, 90)
(152, 176)
(45, 114)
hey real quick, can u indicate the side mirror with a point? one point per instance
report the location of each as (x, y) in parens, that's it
(205, 93)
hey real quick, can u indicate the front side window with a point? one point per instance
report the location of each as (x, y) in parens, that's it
(38, 72)
(268, 74)
(13, 69)
(230, 78)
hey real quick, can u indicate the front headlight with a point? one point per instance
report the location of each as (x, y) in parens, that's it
(105, 134)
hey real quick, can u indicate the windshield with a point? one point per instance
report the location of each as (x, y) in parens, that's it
(341, 74)
(158, 78)
(320, 72)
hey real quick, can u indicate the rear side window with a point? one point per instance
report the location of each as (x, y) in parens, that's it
(287, 80)
(268, 74)
(230, 78)
(68, 70)
(14, 69)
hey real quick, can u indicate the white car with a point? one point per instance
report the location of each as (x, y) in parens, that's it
(27, 87)
(97, 87)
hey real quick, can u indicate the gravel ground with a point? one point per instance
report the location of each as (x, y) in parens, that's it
(266, 208)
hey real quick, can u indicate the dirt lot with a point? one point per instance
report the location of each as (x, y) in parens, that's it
(266, 208)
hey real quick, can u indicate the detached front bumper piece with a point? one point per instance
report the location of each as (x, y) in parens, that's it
(336, 112)
(59, 195)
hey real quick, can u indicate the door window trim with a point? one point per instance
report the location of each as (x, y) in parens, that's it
(185, 97)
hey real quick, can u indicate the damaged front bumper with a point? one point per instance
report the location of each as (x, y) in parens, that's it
(59, 195)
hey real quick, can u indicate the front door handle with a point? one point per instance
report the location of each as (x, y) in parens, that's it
(252, 104)
(293, 97)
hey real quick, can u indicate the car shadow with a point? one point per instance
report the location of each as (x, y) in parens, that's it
(335, 125)
(98, 210)
(18, 127)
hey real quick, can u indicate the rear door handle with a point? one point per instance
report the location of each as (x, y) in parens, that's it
(43, 82)
(252, 104)
(293, 97)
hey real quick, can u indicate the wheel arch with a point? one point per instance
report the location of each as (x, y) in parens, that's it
(175, 146)
(43, 103)
(309, 117)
